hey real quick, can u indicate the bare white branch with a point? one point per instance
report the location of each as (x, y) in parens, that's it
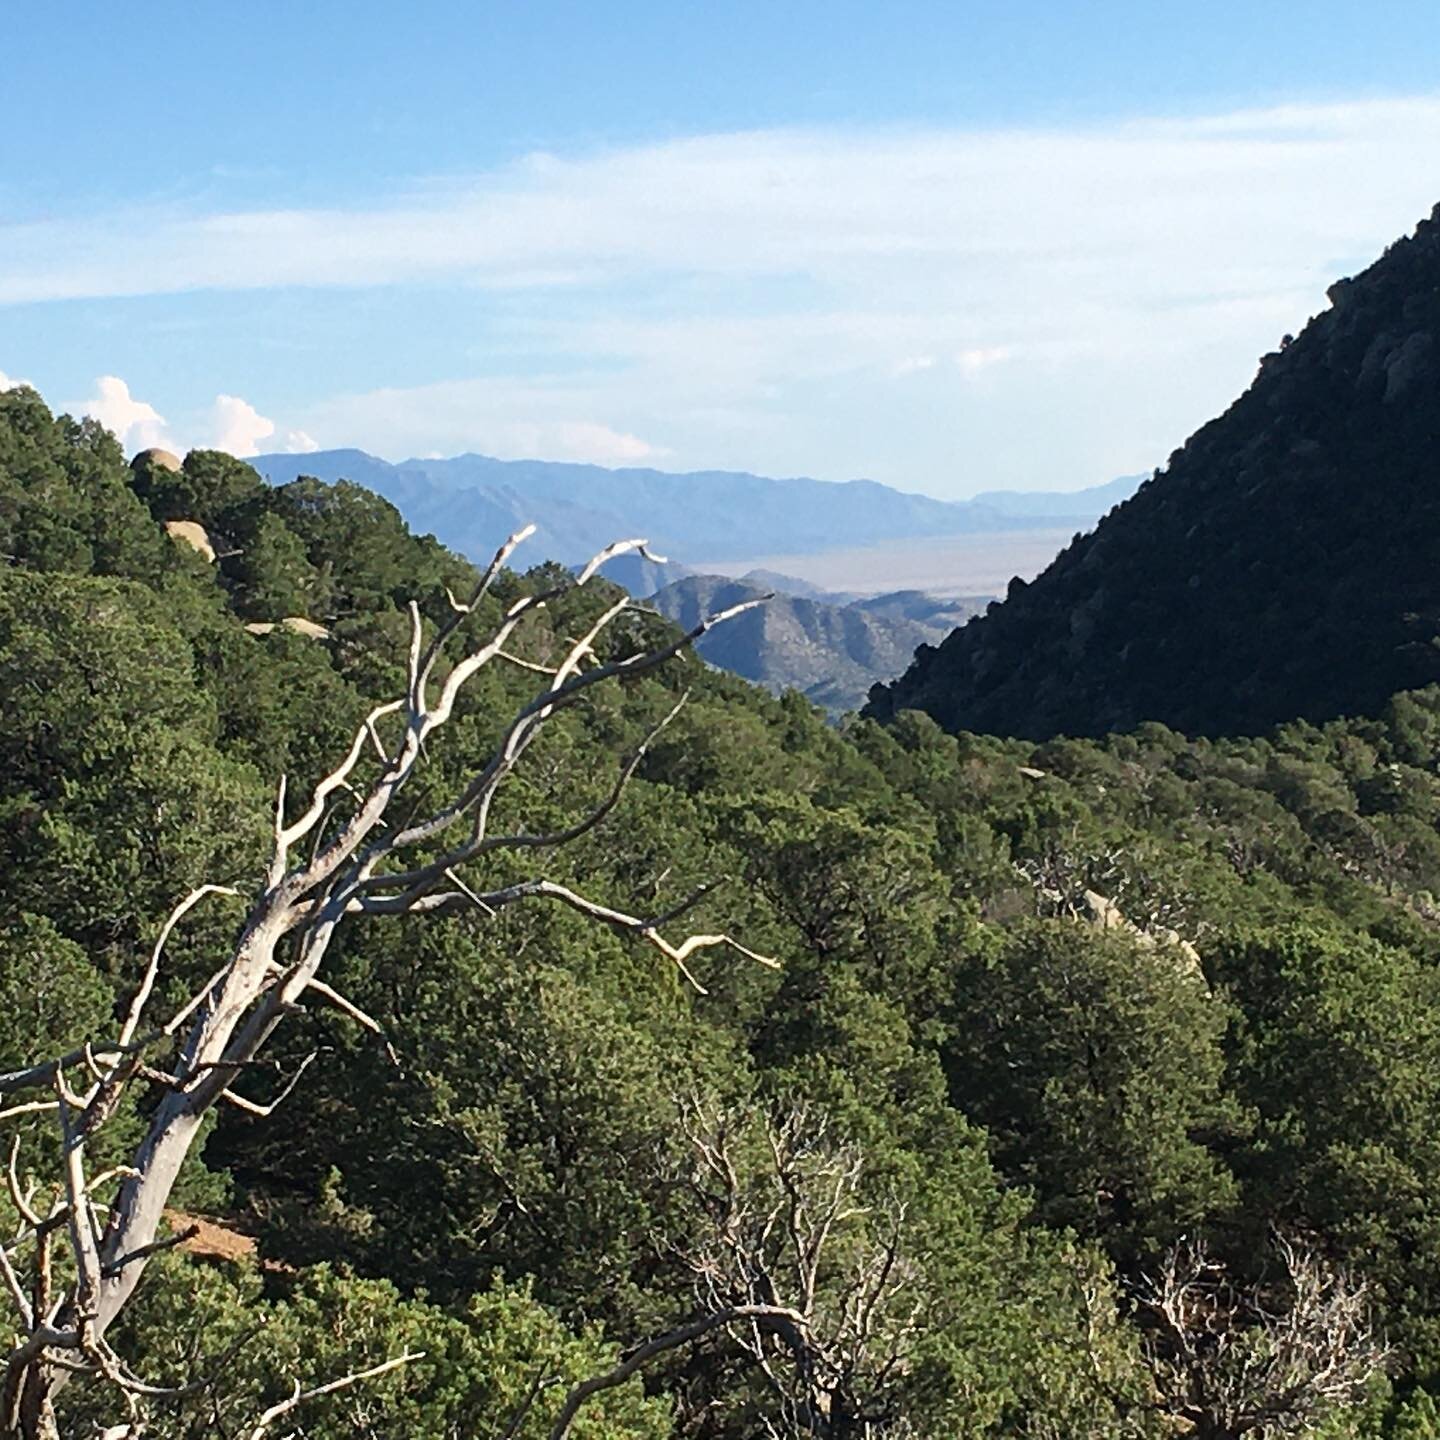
(620, 547)
(300, 1397)
(147, 984)
(1274, 1358)
(341, 1003)
(363, 864)
(251, 1107)
(796, 1232)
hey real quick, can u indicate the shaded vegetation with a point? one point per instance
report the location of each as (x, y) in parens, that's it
(1045, 1092)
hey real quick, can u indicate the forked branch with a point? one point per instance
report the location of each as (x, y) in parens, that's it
(344, 1382)
(361, 864)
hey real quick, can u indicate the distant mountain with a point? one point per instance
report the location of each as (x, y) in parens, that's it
(472, 502)
(832, 653)
(1286, 564)
(1056, 507)
(934, 612)
(642, 577)
(794, 585)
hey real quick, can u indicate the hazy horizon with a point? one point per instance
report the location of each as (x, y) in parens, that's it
(400, 460)
(947, 567)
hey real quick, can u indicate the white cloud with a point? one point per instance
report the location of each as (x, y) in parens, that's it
(10, 382)
(136, 424)
(232, 424)
(1128, 274)
(238, 427)
(833, 204)
(599, 444)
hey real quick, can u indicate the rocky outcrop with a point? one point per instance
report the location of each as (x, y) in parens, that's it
(191, 533)
(296, 624)
(1104, 914)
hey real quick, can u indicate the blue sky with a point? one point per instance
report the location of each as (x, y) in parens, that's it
(950, 246)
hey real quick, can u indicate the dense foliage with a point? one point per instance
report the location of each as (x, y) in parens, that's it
(1048, 1007)
(1282, 564)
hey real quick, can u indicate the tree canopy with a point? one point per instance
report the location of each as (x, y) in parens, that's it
(1027, 1095)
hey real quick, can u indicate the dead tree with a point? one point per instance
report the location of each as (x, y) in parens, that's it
(1270, 1360)
(806, 1280)
(79, 1254)
(796, 1225)
(762, 1317)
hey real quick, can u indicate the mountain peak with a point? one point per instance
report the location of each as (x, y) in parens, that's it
(1283, 564)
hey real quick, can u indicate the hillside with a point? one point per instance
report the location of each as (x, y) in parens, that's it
(832, 653)
(472, 502)
(1284, 564)
(1035, 1013)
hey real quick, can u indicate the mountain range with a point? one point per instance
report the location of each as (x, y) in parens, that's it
(1286, 562)
(472, 502)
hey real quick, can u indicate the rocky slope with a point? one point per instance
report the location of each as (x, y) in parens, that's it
(1285, 563)
(832, 653)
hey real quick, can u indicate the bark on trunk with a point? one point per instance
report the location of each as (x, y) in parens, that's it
(30, 1413)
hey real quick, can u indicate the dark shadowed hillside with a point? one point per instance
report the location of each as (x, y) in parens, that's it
(1286, 563)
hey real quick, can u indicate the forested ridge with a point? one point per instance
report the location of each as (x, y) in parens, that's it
(1043, 1019)
(1281, 565)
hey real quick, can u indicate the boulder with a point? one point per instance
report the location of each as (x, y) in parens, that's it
(190, 531)
(297, 624)
(156, 459)
(1104, 913)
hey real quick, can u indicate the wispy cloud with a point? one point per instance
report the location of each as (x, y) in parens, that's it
(913, 365)
(792, 298)
(831, 204)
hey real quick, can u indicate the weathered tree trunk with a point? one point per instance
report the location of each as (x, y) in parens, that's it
(358, 865)
(31, 1410)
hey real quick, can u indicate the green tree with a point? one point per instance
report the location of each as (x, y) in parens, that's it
(1338, 1053)
(273, 574)
(473, 1368)
(1096, 1064)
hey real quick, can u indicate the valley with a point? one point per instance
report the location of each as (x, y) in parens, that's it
(962, 553)
(953, 566)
